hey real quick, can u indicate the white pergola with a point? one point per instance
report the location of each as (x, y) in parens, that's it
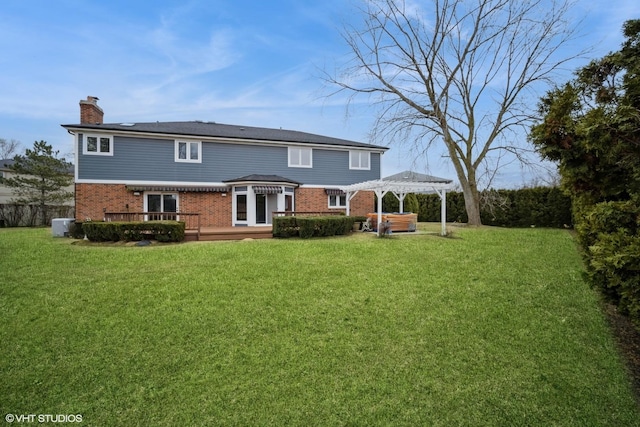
(400, 185)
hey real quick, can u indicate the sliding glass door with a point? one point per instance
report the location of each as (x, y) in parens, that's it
(167, 203)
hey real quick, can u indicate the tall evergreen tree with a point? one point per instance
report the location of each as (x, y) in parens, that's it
(591, 127)
(41, 178)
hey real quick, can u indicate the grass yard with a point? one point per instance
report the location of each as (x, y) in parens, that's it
(493, 327)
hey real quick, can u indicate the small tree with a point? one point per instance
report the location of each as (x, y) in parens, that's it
(40, 179)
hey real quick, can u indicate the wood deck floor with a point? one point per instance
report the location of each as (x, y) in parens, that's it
(229, 233)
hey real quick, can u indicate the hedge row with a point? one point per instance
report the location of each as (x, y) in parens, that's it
(540, 207)
(609, 234)
(306, 227)
(162, 231)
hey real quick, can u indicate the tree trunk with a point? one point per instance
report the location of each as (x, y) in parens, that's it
(472, 205)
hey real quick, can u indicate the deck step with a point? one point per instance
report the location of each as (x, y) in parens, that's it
(229, 233)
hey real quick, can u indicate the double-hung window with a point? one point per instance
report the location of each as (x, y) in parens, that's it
(300, 157)
(188, 151)
(360, 160)
(337, 201)
(98, 145)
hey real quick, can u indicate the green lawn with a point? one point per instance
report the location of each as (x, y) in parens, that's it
(494, 327)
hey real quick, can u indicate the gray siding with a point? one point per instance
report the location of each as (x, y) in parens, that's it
(139, 159)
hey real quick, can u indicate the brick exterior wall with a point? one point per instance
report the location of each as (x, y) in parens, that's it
(214, 208)
(316, 200)
(92, 200)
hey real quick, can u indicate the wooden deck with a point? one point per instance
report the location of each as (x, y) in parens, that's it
(229, 233)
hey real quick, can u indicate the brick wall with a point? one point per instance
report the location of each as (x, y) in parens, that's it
(316, 200)
(215, 208)
(363, 203)
(93, 199)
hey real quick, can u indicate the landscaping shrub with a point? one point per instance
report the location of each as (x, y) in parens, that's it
(609, 234)
(307, 227)
(285, 226)
(540, 207)
(162, 231)
(76, 231)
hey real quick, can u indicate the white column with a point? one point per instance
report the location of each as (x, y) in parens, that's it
(443, 212)
(400, 197)
(348, 204)
(380, 194)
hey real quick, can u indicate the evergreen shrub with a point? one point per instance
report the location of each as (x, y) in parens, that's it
(312, 226)
(113, 231)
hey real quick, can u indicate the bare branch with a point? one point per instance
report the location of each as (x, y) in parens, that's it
(8, 149)
(456, 76)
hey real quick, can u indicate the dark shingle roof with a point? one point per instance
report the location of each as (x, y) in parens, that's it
(262, 178)
(218, 130)
(410, 176)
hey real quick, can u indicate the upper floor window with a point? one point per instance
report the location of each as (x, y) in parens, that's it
(189, 151)
(359, 160)
(98, 144)
(300, 157)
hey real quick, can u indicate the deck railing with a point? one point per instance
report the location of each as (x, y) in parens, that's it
(191, 220)
(307, 213)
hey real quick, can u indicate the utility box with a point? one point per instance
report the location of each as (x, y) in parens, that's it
(60, 226)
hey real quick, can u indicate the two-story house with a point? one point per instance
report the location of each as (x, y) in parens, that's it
(230, 175)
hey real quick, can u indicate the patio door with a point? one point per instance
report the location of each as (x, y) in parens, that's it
(261, 208)
(167, 203)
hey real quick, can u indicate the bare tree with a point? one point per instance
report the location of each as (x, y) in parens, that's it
(462, 74)
(8, 148)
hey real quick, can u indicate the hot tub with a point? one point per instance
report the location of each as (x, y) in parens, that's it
(399, 221)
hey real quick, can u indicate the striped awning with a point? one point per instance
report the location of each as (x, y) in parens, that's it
(334, 192)
(199, 189)
(267, 189)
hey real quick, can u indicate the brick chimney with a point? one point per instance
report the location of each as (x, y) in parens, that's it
(90, 113)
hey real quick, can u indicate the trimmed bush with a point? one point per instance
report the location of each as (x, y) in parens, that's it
(285, 226)
(307, 227)
(76, 231)
(539, 207)
(162, 231)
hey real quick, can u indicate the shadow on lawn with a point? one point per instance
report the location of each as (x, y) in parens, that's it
(628, 341)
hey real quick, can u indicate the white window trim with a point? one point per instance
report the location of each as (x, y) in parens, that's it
(359, 154)
(298, 164)
(188, 160)
(338, 198)
(85, 150)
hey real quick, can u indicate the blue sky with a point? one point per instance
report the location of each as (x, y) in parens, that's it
(254, 63)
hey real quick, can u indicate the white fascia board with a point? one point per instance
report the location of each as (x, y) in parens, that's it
(247, 141)
(152, 183)
(397, 186)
